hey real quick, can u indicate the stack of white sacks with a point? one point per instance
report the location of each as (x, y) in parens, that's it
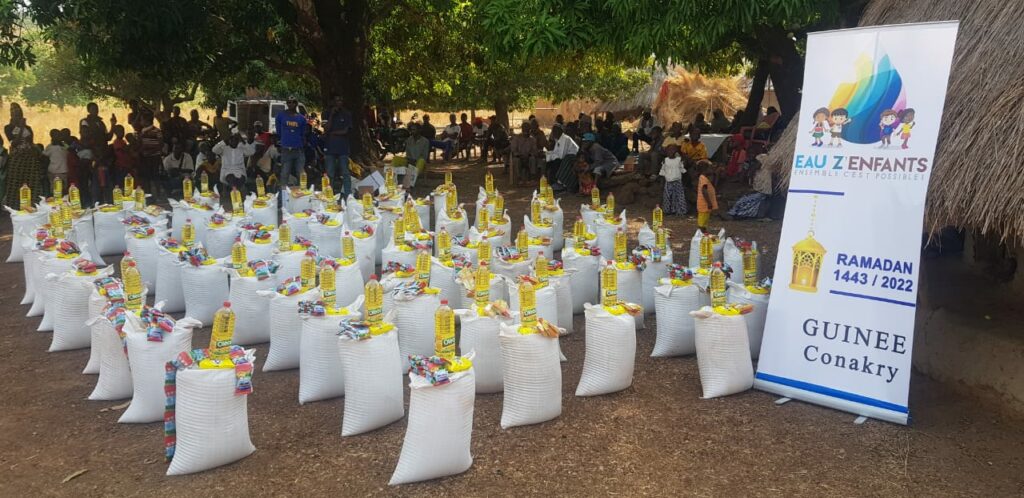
(278, 293)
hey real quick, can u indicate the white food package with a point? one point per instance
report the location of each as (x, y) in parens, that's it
(610, 353)
(695, 248)
(71, 309)
(584, 278)
(285, 328)
(414, 318)
(532, 377)
(630, 290)
(443, 278)
(211, 421)
(145, 251)
(755, 319)
(23, 226)
(437, 438)
(109, 232)
(606, 233)
(220, 239)
(723, 353)
(266, 215)
(672, 307)
(252, 315)
(115, 376)
(479, 335)
(564, 298)
(320, 369)
(546, 299)
(373, 390)
(206, 289)
(327, 237)
(45, 267)
(168, 281)
(650, 276)
(147, 361)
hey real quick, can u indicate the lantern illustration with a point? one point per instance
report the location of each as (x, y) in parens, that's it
(808, 255)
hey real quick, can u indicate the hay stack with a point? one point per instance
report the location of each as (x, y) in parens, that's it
(977, 182)
(684, 94)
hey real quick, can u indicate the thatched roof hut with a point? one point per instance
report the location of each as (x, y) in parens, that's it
(978, 180)
(684, 94)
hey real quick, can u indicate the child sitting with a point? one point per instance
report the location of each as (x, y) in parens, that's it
(674, 197)
(707, 201)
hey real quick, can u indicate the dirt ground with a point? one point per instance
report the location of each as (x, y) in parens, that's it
(655, 438)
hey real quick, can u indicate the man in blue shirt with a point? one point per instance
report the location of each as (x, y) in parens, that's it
(291, 130)
(337, 123)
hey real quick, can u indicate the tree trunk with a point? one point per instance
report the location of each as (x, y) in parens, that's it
(756, 94)
(785, 67)
(501, 111)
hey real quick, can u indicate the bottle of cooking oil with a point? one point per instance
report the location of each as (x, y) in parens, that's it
(444, 246)
(140, 199)
(133, 296)
(261, 187)
(657, 217)
(483, 251)
(328, 287)
(374, 298)
(523, 242)
(398, 232)
(527, 306)
(482, 287)
(284, 237)
(535, 211)
(609, 205)
(389, 180)
(118, 197)
(660, 244)
(222, 335)
(717, 286)
(485, 221)
(328, 193)
(411, 217)
(58, 189)
(303, 180)
(707, 251)
(367, 202)
(25, 197)
(447, 179)
(56, 223)
(489, 184)
(307, 271)
(579, 231)
(126, 260)
(444, 332)
(348, 246)
(66, 219)
(237, 208)
(540, 267)
(423, 268)
(238, 257)
(452, 201)
(325, 183)
(204, 183)
(621, 253)
(188, 234)
(498, 213)
(542, 184)
(749, 265)
(129, 184)
(75, 197)
(609, 286)
(186, 188)
(595, 198)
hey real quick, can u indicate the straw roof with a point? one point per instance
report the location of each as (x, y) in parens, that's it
(978, 181)
(633, 105)
(684, 94)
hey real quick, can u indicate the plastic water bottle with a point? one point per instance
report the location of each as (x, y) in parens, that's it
(284, 237)
(222, 335)
(482, 287)
(133, 298)
(444, 331)
(540, 268)
(374, 298)
(307, 271)
(237, 207)
(25, 197)
(75, 197)
(348, 246)
(328, 287)
(186, 188)
(523, 242)
(129, 183)
(444, 246)
(58, 189)
(238, 257)
(717, 285)
(609, 286)
(188, 233)
(204, 183)
(423, 268)
(527, 306)
(621, 253)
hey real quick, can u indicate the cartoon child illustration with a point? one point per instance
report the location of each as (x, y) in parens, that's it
(906, 117)
(820, 125)
(886, 125)
(840, 117)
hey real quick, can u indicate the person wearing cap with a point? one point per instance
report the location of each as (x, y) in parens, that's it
(291, 132)
(233, 153)
(337, 124)
(600, 161)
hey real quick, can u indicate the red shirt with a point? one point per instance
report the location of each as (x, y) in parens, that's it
(123, 160)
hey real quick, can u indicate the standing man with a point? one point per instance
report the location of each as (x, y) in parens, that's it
(291, 130)
(337, 123)
(151, 163)
(233, 153)
(93, 141)
(644, 132)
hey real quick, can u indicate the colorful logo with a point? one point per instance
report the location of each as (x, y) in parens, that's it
(874, 91)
